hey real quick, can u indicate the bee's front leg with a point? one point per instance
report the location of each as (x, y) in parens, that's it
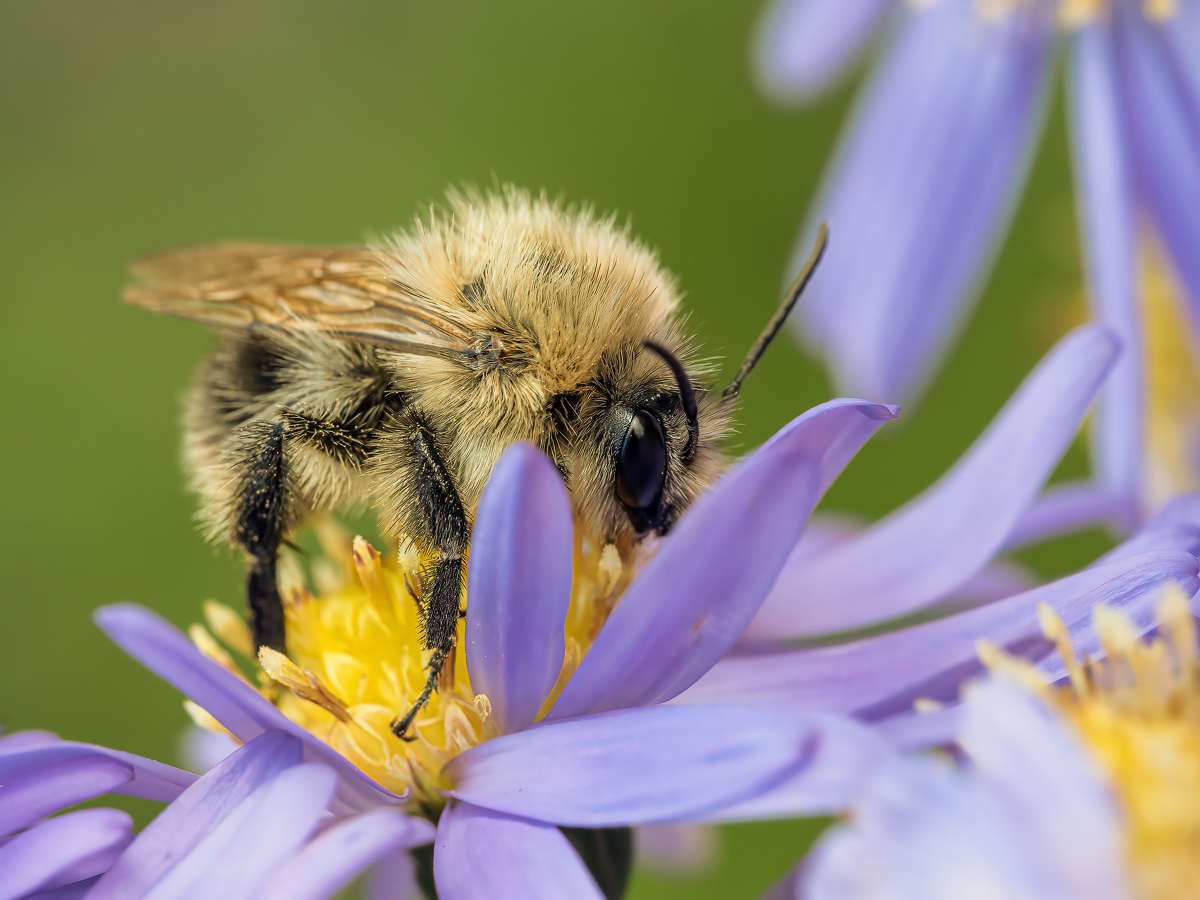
(448, 533)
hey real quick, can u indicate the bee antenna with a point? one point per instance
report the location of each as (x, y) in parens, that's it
(686, 394)
(760, 346)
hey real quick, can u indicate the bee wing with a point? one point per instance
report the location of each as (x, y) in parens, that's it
(345, 291)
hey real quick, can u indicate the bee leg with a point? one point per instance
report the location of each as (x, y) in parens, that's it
(446, 524)
(259, 530)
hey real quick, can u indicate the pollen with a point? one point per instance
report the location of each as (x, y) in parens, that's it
(1137, 709)
(355, 660)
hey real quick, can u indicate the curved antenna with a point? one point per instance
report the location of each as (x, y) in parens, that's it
(686, 395)
(759, 347)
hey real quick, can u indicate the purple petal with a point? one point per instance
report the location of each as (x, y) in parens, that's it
(1174, 527)
(63, 850)
(1181, 33)
(519, 585)
(676, 849)
(31, 792)
(922, 191)
(1162, 108)
(76, 891)
(636, 765)
(994, 582)
(23, 740)
(1062, 797)
(182, 825)
(483, 855)
(151, 780)
(165, 650)
(925, 830)
(201, 749)
(1108, 222)
(883, 675)
(935, 543)
(694, 599)
(840, 764)
(235, 859)
(330, 862)
(802, 46)
(1071, 506)
(394, 877)
(921, 730)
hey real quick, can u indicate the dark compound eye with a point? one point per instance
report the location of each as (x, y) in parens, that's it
(643, 462)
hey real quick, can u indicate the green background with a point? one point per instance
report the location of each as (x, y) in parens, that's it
(128, 127)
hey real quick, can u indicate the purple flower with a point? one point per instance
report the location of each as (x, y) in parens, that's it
(1028, 815)
(1078, 792)
(41, 775)
(934, 555)
(938, 147)
(608, 751)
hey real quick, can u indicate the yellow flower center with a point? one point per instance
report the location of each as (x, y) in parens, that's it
(355, 660)
(1138, 712)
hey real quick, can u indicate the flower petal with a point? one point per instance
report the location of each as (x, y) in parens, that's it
(1162, 109)
(696, 596)
(483, 855)
(848, 752)
(921, 730)
(394, 877)
(923, 830)
(883, 675)
(150, 779)
(1052, 781)
(676, 849)
(235, 858)
(63, 850)
(923, 186)
(32, 791)
(802, 46)
(331, 861)
(1028, 818)
(23, 740)
(636, 765)
(1071, 506)
(936, 542)
(165, 650)
(182, 825)
(519, 585)
(1104, 186)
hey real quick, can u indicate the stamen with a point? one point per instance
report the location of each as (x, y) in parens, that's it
(301, 682)
(370, 573)
(229, 627)
(209, 647)
(483, 705)
(1004, 665)
(1056, 630)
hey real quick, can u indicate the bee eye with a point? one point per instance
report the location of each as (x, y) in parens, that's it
(642, 466)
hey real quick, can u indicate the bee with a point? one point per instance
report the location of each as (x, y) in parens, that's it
(396, 376)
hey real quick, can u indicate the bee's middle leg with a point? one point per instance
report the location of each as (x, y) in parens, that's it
(447, 528)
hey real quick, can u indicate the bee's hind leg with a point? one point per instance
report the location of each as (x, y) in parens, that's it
(446, 525)
(261, 510)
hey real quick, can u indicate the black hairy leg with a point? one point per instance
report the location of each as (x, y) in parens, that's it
(446, 528)
(260, 521)
(266, 504)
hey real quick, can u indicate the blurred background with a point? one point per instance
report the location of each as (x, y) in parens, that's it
(128, 127)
